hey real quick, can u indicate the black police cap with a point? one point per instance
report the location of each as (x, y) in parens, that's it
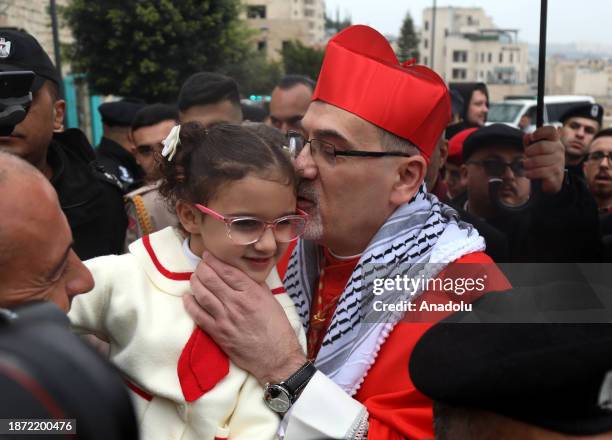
(207, 88)
(519, 354)
(495, 135)
(589, 111)
(21, 51)
(120, 113)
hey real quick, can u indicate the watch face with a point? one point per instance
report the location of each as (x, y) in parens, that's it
(277, 398)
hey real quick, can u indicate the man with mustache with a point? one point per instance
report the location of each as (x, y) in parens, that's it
(362, 161)
(598, 173)
(563, 208)
(598, 169)
(580, 124)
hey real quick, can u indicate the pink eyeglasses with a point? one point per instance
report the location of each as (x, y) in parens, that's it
(249, 230)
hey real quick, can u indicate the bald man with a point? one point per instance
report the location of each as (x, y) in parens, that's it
(37, 261)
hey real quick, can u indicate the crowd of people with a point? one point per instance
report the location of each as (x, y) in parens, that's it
(224, 255)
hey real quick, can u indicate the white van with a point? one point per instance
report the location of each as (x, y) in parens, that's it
(513, 108)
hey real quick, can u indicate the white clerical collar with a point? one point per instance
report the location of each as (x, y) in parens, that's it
(193, 259)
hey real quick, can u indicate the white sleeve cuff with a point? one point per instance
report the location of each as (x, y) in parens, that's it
(324, 410)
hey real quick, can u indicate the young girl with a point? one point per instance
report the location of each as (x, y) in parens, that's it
(234, 195)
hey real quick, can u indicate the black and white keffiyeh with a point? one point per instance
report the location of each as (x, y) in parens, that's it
(418, 232)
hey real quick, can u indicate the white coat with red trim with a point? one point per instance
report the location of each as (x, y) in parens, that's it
(136, 306)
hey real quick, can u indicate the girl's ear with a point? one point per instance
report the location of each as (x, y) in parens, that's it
(189, 218)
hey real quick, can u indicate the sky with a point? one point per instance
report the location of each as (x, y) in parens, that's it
(569, 21)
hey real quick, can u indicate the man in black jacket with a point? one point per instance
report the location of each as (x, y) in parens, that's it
(561, 224)
(91, 199)
(116, 152)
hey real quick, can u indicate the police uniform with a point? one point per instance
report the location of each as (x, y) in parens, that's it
(147, 212)
(90, 198)
(115, 159)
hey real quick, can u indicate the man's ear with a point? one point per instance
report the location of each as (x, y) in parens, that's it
(189, 218)
(59, 111)
(408, 178)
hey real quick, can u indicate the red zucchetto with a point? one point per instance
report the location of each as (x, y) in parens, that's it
(361, 74)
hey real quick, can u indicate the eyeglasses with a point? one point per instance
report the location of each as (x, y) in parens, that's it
(497, 167)
(296, 143)
(249, 230)
(597, 156)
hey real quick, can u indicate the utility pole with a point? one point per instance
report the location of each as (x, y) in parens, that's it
(56, 43)
(433, 33)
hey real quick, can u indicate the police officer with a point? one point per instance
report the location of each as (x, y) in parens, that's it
(90, 199)
(116, 150)
(580, 124)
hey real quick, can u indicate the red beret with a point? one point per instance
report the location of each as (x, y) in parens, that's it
(361, 74)
(455, 145)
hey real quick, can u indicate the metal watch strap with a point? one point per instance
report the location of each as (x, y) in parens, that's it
(299, 379)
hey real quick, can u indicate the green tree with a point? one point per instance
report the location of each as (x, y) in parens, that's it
(408, 42)
(336, 25)
(254, 74)
(302, 60)
(146, 49)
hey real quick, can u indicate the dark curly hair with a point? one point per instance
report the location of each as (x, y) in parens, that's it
(208, 158)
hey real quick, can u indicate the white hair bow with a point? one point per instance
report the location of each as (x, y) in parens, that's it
(171, 142)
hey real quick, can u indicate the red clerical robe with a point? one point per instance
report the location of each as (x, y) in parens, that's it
(397, 410)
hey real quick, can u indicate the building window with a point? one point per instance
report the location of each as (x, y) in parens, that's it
(256, 11)
(501, 57)
(470, 21)
(308, 13)
(425, 43)
(262, 45)
(285, 44)
(511, 57)
(459, 73)
(425, 61)
(490, 57)
(459, 56)
(426, 25)
(482, 57)
(311, 25)
(446, 32)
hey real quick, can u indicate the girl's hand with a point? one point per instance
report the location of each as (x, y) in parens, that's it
(245, 319)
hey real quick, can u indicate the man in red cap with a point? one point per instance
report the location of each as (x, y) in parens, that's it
(455, 181)
(371, 129)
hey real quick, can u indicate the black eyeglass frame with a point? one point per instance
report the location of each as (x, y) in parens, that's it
(294, 152)
(601, 154)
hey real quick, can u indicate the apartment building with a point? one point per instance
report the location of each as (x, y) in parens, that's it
(467, 46)
(33, 16)
(280, 21)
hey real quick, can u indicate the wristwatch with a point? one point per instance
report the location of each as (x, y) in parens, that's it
(280, 396)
